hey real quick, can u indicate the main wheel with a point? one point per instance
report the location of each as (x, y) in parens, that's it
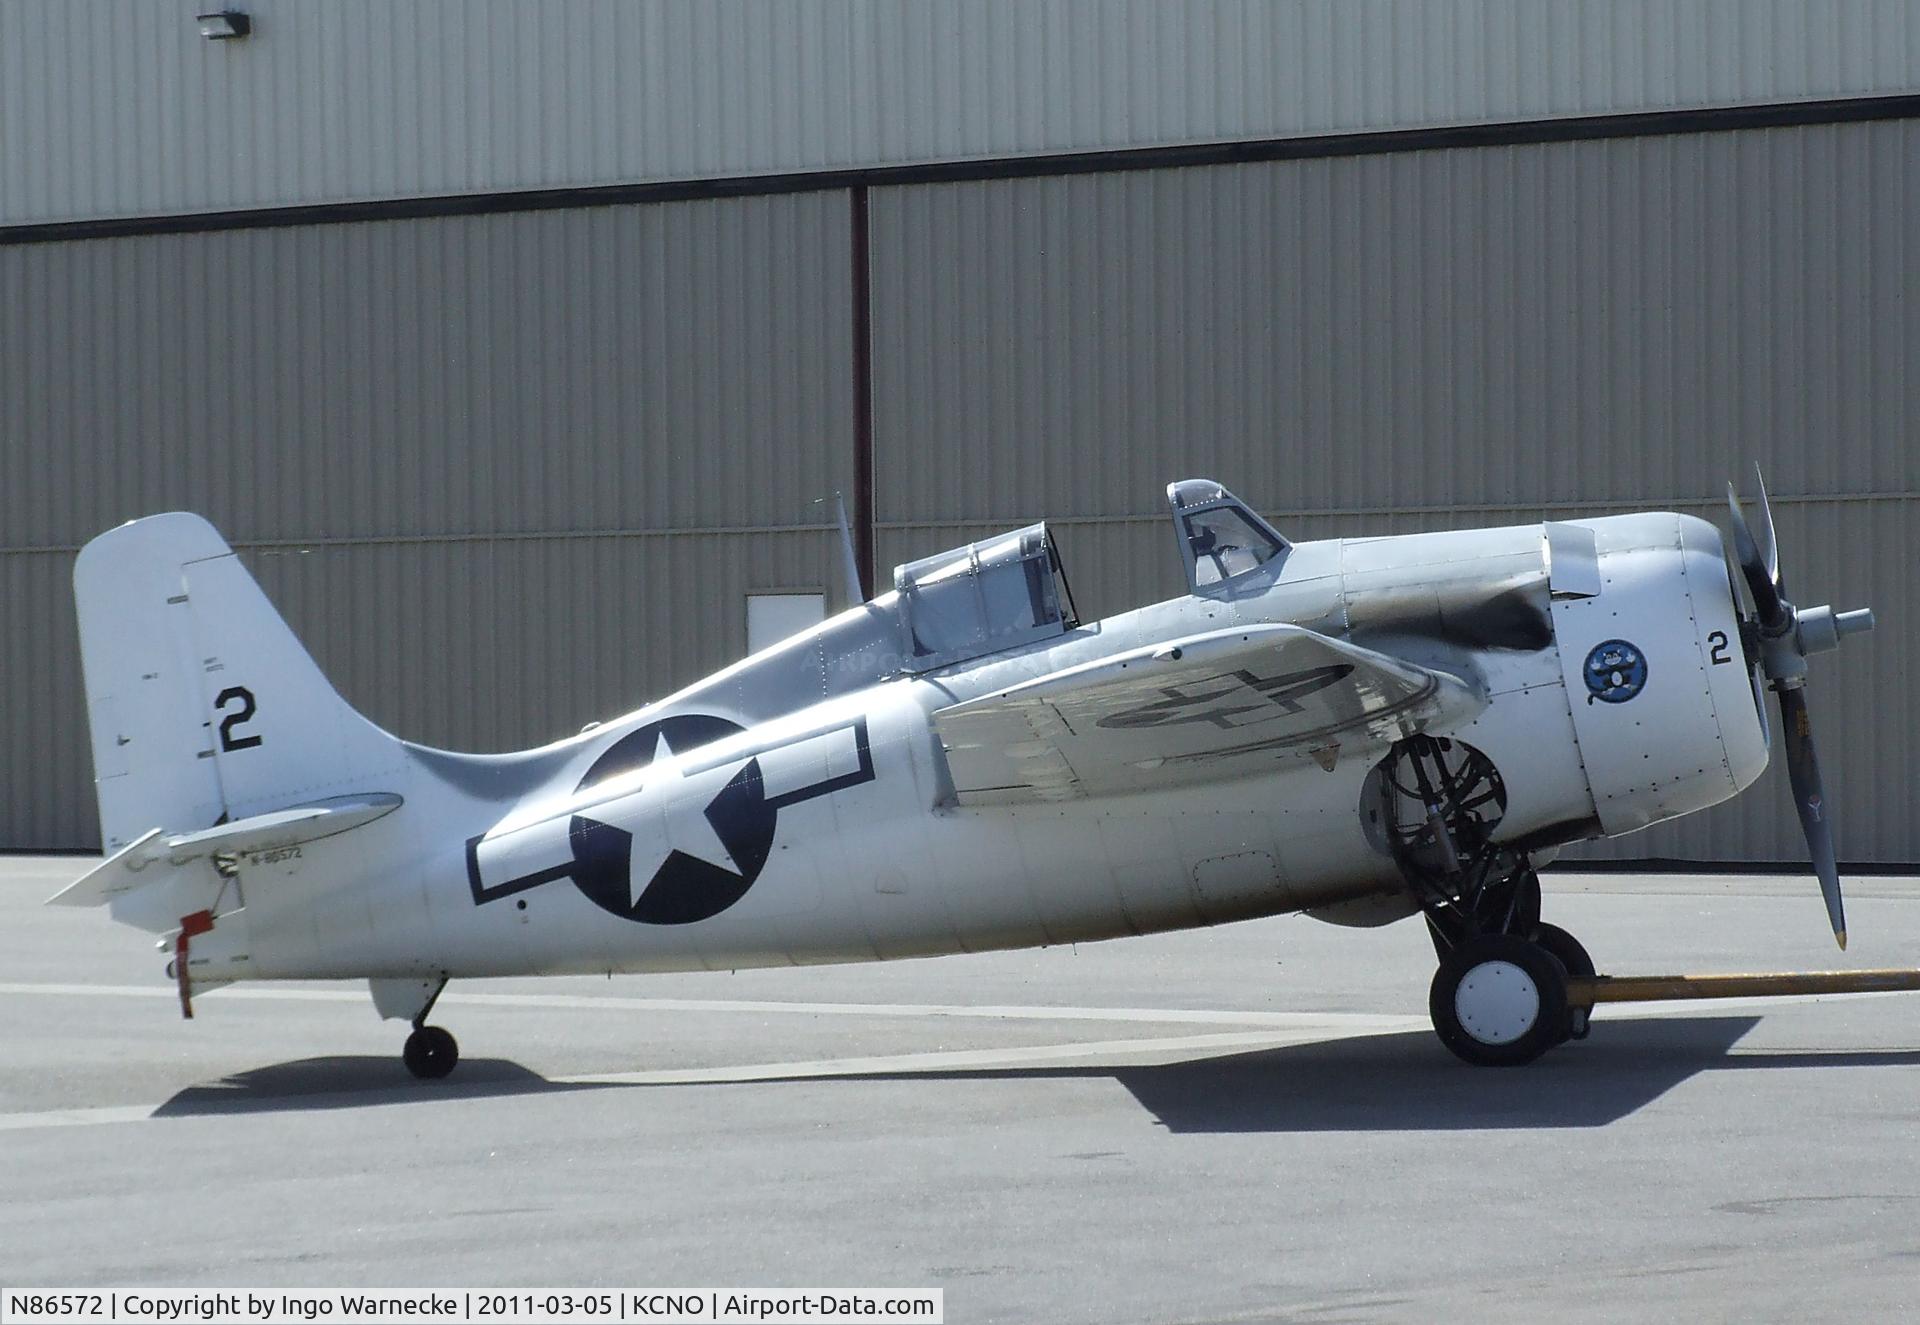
(1499, 1001)
(430, 1052)
(1580, 966)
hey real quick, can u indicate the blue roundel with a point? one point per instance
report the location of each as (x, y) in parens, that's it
(1616, 671)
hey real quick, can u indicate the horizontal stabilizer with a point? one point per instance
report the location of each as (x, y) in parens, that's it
(1192, 710)
(124, 871)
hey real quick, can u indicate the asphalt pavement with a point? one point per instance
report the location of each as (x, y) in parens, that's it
(1240, 1124)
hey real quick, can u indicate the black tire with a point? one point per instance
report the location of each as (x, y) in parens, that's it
(1521, 1010)
(430, 1052)
(1579, 965)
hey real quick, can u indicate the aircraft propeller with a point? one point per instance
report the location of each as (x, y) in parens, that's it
(1779, 639)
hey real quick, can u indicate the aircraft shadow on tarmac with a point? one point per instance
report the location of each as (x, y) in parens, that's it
(1403, 1081)
(1406, 1081)
(351, 1083)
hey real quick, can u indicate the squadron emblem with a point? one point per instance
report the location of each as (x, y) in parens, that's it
(1615, 670)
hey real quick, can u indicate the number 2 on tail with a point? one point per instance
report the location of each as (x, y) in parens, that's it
(238, 718)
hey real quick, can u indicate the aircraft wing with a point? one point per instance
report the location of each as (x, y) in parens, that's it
(1209, 706)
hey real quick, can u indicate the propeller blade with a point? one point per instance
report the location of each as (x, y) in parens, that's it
(1762, 584)
(1769, 542)
(1809, 798)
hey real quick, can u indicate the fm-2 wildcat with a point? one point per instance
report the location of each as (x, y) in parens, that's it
(1360, 729)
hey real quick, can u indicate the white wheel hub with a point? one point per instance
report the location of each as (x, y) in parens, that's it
(1496, 1002)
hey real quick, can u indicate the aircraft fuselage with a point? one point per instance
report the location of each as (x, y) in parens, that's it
(729, 826)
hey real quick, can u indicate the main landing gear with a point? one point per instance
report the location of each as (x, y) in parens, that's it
(1499, 997)
(1499, 1000)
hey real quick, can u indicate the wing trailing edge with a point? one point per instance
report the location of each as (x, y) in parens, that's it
(1193, 710)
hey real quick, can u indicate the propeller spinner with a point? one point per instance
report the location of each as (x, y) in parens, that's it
(1782, 636)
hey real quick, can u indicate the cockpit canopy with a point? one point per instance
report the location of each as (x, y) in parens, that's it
(1220, 538)
(1011, 590)
(982, 598)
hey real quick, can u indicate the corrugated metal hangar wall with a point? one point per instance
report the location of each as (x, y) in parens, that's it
(512, 460)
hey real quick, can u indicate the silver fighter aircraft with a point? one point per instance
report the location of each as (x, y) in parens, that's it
(1360, 729)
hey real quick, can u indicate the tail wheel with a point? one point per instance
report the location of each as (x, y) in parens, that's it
(430, 1052)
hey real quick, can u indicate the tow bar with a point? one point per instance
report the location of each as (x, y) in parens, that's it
(1586, 992)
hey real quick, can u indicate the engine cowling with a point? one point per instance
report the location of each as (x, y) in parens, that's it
(1663, 704)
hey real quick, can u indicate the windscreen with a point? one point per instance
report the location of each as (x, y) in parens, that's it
(1225, 544)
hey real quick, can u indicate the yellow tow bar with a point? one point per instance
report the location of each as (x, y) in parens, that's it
(1660, 988)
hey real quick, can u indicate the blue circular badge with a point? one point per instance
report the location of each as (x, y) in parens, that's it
(1616, 671)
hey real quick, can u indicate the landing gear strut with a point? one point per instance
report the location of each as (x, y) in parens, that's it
(430, 1052)
(1499, 997)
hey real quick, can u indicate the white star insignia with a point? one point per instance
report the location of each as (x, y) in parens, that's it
(682, 800)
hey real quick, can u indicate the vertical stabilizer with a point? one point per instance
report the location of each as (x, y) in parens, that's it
(203, 705)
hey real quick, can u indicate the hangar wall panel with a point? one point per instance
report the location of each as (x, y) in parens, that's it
(594, 369)
(1608, 322)
(1442, 339)
(46, 776)
(505, 644)
(109, 108)
(484, 464)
